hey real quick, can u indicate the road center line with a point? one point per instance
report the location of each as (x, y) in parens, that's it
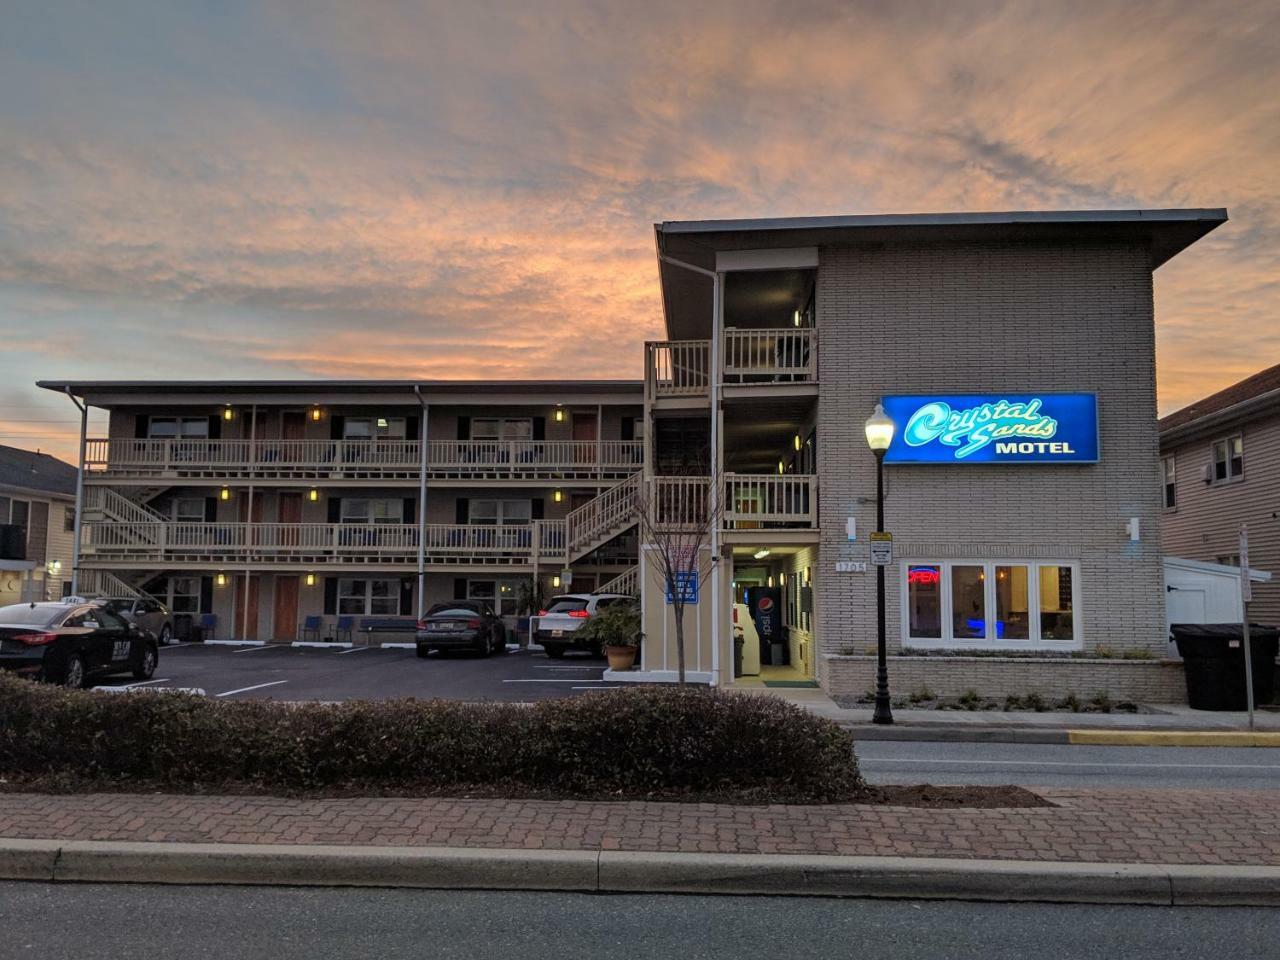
(273, 683)
(872, 761)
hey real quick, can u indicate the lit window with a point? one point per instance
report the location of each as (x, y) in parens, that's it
(924, 600)
(968, 602)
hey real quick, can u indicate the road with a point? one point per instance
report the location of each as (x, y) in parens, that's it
(1054, 765)
(129, 922)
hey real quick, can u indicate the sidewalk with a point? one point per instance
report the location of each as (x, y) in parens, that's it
(1048, 727)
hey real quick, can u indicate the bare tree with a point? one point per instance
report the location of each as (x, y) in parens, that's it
(678, 515)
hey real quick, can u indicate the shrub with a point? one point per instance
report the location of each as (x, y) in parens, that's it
(970, 699)
(617, 625)
(656, 742)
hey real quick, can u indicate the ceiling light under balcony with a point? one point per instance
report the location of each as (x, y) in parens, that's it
(225, 493)
(313, 495)
(762, 553)
(559, 414)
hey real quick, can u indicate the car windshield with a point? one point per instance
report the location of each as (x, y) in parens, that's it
(567, 604)
(24, 614)
(452, 610)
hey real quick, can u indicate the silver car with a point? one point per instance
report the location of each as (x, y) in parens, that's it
(565, 614)
(149, 614)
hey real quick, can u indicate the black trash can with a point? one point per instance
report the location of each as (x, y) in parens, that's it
(1213, 660)
(182, 627)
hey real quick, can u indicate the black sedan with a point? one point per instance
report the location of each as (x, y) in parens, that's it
(461, 625)
(69, 643)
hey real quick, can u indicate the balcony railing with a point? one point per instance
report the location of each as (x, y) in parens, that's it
(772, 355)
(677, 368)
(364, 459)
(746, 501)
(320, 544)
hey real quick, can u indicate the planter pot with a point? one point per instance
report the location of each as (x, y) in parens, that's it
(620, 658)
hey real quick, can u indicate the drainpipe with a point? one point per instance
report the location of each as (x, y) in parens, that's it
(422, 504)
(75, 545)
(713, 494)
(249, 530)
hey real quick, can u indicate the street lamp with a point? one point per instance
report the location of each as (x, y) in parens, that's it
(879, 430)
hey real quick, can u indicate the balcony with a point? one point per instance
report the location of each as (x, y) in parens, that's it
(748, 502)
(678, 370)
(361, 460)
(318, 545)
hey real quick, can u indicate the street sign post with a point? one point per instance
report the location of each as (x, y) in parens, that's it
(1246, 594)
(881, 548)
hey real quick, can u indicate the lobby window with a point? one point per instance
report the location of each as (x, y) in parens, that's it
(1168, 468)
(498, 594)
(1228, 459)
(992, 605)
(374, 597)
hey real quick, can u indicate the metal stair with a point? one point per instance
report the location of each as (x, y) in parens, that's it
(599, 520)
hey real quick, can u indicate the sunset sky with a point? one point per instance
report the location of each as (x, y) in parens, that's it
(467, 189)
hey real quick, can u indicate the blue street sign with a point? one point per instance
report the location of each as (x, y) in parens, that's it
(994, 428)
(687, 584)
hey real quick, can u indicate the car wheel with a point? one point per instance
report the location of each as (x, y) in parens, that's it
(74, 675)
(166, 635)
(554, 650)
(145, 668)
(422, 652)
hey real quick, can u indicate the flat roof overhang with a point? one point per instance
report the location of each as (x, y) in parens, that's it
(121, 393)
(686, 295)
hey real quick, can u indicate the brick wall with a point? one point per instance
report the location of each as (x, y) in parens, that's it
(990, 318)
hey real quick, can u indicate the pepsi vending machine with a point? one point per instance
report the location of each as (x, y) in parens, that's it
(765, 606)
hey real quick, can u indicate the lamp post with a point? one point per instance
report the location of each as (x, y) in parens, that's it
(879, 431)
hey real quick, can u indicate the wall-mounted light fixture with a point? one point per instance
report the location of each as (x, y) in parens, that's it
(557, 496)
(228, 413)
(559, 414)
(224, 493)
(782, 579)
(54, 567)
(313, 495)
(797, 318)
(316, 413)
(761, 553)
(220, 579)
(555, 580)
(311, 579)
(797, 441)
(780, 467)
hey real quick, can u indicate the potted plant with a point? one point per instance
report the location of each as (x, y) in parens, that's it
(616, 628)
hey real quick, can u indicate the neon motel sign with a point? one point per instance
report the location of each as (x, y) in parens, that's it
(979, 428)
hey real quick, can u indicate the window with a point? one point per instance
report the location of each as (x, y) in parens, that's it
(184, 594)
(68, 519)
(373, 428)
(500, 595)
(178, 428)
(188, 510)
(991, 604)
(1228, 559)
(500, 511)
(374, 597)
(502, 428)
(1168, 468)
(361, 510)
(1228, 459)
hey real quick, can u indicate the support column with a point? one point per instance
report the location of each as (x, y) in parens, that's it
(717, 459)
(423, 464)
(75, 544)
(249, 531)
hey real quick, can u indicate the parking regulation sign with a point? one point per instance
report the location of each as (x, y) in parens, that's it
(881, 548)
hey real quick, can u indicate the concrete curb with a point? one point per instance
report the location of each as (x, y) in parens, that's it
(1115, 738)
(637, 872)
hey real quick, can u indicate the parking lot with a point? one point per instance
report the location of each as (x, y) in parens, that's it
(282, 672)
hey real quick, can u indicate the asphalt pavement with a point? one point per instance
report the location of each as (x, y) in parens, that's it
(137, 922)
(375, 673)
(1065, 765)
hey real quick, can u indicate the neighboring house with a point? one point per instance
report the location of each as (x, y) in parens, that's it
(37, 516)
(265, 503)
(1014, 352)
(1219, 469)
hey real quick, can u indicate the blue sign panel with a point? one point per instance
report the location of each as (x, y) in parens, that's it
(687, 584)
(994, 428)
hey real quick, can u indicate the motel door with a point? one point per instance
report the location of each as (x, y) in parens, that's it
(285, 622)
(584, 431)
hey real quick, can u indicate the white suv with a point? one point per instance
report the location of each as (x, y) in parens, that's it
(555, 626)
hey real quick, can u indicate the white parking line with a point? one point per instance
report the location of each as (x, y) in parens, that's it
(353, 650)
(251, 649)
(273, 683)
(143, 683)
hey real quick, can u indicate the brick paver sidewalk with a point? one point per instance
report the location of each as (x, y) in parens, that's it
(1116, 826)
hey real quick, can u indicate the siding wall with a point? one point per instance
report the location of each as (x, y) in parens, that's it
(1205, 524)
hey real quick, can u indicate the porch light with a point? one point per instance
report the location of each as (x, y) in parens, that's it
(782, 579)
(879, 430)
(313, 495)
(225, 493)
(797, 441)
(228, 413)
(797, 318)
(559, 414)
(316, 414)
(382, 421)
(555, 580)
(558, 496)
(780, 467)
(761, 553)
(54, 567)
(769, 581)
(311, 579)
(220, 579)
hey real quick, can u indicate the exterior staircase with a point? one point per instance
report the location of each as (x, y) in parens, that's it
(598, 521)
(103, 583)
(627, 582)
(130, 521)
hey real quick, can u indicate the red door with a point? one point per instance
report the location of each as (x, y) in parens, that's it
(584, 433)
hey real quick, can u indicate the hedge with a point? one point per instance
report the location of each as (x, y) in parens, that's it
(653, 742)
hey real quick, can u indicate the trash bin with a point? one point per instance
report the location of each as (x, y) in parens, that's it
(1213, 658)
(738, 644)
(182, 627)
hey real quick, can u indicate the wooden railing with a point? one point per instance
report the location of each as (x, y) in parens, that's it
(602, 516)
(679, 501)
(677, 368)
(770, 355)
(769, 500)
(320, 459)
(627, 582)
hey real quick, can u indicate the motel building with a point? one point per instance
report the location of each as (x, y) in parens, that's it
(1013, 353)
